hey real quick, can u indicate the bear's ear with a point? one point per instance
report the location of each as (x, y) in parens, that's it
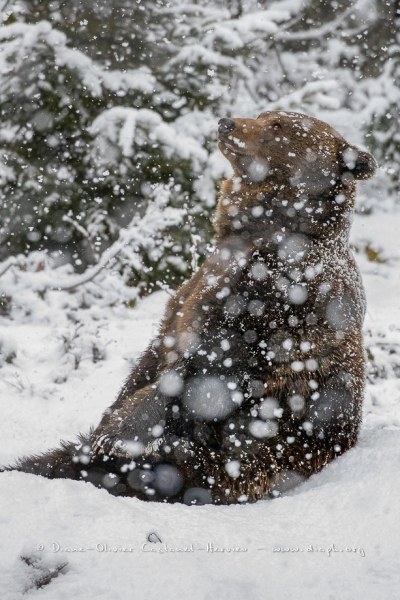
(356, 163)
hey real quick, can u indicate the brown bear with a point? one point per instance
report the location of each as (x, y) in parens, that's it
(256, 379)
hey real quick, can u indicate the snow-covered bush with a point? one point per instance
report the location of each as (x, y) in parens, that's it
(76, 168)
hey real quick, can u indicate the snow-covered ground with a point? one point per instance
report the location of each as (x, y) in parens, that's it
(334, 536)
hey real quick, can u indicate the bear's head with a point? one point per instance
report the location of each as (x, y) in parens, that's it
(291, 149)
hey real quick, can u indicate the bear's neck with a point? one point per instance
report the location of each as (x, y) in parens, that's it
(267, 211)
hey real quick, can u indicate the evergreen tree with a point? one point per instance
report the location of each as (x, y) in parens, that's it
(102, 103)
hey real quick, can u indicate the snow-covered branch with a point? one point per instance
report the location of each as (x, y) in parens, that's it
(139, 236)
(315, 32)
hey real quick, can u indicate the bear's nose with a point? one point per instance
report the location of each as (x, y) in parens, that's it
(226, 125)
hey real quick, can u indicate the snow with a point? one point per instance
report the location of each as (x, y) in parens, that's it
(351, 533)
(343, 520)
(94, 76)
(199, 392)
(128, 127)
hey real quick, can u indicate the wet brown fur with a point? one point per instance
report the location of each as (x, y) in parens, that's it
(285, 215)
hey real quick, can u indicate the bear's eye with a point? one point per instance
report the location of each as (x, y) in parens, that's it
(276, 126)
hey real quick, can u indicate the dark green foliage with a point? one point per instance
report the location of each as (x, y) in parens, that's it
(103, 101)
